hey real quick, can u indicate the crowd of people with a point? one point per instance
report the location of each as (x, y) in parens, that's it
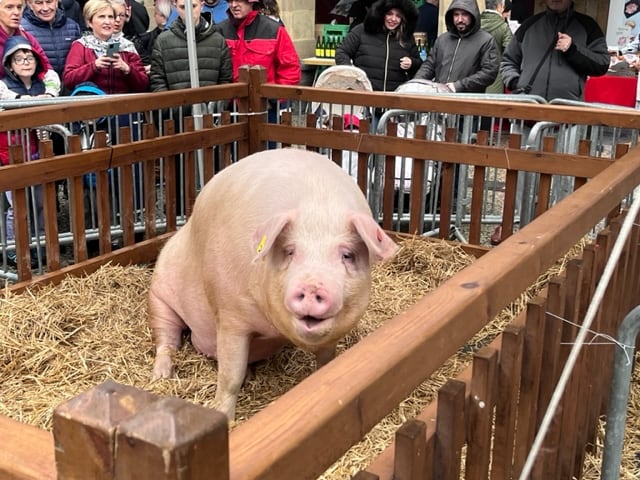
(551, 54)
(49, 49)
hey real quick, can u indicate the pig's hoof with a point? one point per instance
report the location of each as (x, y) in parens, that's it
(163, 367)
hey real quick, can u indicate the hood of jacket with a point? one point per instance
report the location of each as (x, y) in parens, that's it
(203, 29)
(470, 6)
(13, 44)
(374, 21)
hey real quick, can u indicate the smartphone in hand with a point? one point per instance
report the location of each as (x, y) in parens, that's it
(112, 49)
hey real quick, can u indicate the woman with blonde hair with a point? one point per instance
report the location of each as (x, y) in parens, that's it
(113, 66)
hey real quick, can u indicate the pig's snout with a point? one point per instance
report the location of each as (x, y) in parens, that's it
(311, 303)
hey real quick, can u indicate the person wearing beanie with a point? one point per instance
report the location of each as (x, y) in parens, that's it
(383, 45)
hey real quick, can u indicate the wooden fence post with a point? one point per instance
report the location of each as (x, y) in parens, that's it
(84, 429)
(173, 439)
(411, 451)
(117, 431)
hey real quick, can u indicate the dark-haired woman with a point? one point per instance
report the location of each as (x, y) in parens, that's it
(383, 45)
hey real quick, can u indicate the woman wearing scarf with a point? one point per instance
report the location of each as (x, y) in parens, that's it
(123, 72)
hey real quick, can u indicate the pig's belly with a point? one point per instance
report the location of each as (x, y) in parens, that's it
(265, 341)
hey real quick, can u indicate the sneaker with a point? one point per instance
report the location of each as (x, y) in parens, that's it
(12, 259)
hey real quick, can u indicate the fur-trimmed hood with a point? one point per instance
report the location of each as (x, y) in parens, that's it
(374, 21)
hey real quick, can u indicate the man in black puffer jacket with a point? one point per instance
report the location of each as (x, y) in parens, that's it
(170, 60)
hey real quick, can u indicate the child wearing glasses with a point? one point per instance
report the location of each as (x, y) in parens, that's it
(21, 81)
(21, 67)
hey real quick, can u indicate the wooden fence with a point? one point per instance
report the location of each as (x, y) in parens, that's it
(114, 431)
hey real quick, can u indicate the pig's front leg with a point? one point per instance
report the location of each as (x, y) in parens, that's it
(325, 355)
(167, 329)
(233, 357)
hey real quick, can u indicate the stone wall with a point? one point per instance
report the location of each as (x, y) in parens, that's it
(299, 18)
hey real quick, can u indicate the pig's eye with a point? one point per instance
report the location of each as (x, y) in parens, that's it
(289, 251)
(348, 257)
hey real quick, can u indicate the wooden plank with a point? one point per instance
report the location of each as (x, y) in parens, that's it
(530, 382)
(589, 260)
(143, 252)
(572, 401)
(27, 452)
(548, 455)
(104, 186)
(544, 183)
(480, 408)
(464, 106)
(410, 451)
(551, 163)
(450, 430)
(477, 194)
(416, 212)
(173, 439)
(124, 177)
(149, 181)
(509, 374)
(388, 184)
(20, 218)
(171, 191)
(551, 343)
(510, 195)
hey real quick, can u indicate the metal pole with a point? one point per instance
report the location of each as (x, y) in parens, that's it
(619, 396)
(194, 77)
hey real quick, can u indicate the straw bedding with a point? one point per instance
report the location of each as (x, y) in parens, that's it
(57, 342)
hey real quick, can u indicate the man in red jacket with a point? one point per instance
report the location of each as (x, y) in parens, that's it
(256, 39)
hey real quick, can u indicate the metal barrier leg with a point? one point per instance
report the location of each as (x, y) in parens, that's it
(619, 396)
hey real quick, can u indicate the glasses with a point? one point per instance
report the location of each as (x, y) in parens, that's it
(24, 60)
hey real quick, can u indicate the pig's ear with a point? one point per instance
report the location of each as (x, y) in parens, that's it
(379, 244)
(266, 233)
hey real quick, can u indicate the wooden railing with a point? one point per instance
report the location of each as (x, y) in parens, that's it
(306, 430)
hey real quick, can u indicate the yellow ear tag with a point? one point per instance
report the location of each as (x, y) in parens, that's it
(263, 240)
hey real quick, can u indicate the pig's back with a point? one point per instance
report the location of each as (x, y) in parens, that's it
(262, 185)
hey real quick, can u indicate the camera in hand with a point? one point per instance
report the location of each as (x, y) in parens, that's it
(112, 48)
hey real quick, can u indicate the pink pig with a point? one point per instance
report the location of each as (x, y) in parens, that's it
(279, 249)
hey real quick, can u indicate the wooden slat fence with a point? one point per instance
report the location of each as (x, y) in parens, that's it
(302, 433)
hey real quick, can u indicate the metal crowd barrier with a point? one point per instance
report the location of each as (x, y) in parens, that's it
(86, 129)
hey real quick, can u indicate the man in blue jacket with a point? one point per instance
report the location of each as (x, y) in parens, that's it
(553, 52)
(53, 30)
